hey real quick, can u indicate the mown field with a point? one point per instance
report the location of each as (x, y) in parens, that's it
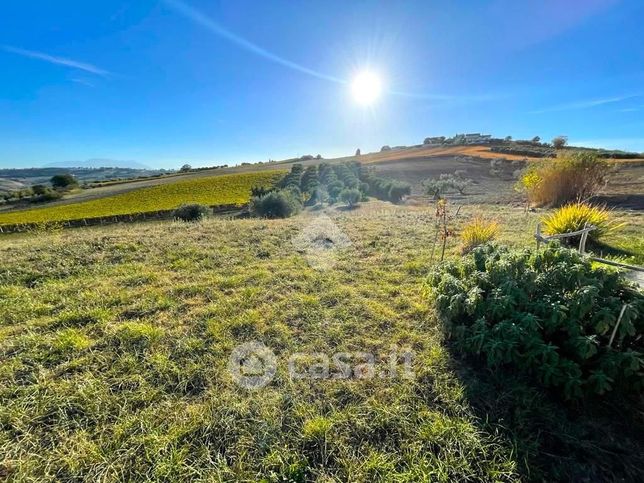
(114, 347)
(215, 190)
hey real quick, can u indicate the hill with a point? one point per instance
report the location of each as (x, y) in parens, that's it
(222, 190)
(99, 163)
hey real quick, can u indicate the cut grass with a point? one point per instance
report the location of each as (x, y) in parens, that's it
(114, 344)
(216, 190)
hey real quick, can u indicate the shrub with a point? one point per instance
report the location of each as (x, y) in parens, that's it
(48, 195)
(63, 181)
(478, 232)
(194, 212)
(334, 189)
(548, 314)
(277, 204)
(39, 189)
(570, 177)
(559, 142)
(351, 196)
(575, 216)
(397, 190)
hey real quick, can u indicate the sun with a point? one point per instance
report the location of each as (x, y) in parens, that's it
(366, 88)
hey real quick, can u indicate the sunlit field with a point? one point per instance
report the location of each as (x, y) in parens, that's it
(234, 189)
(114, 347)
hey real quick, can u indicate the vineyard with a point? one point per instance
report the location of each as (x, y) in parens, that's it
(216, 190)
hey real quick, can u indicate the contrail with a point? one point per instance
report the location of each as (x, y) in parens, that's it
(201, 19)
(57, 60)
(204, 21)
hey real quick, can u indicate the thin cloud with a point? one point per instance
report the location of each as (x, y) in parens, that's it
(92, 69)
(586, 104)
(201, 19)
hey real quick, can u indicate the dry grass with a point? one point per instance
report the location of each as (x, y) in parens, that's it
(114, 344)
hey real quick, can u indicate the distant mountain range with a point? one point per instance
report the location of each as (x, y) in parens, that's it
(98, 163)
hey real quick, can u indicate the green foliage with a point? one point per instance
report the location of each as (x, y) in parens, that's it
(548, 314)
(387, 189)
(277, 204)
(47, 195)
(63, 181)
(350, 196)
(193, 212)
(39, 189)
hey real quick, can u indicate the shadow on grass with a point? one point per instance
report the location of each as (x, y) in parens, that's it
(555, 440)
(603, 249)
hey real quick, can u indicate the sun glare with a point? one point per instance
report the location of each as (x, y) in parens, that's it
(366, 88)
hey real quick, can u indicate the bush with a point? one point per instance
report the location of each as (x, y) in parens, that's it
(397, 190)
(478, 232)
(572, 177)
(192, 212)
(575, 216)
(559, 142)
(63, 181)
(48, 195)
(548, 314)
(277, 204)
(40, 189)
(351, 196)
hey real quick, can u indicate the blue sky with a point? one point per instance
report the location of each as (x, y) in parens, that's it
(206, 82)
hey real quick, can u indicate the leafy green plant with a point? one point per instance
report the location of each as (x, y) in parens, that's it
(351, 196)
(193, 212)
(277, 204)
(547, 313)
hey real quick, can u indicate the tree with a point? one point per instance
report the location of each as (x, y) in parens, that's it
(334, 189)
(560, 142)
(385, 148)
(351, 197)
(398, 190)
(39, 189)
(358, 152)
(536, 140)
(319, 156)
(277, 204)
(63, 181)
(185, 168)
(508, 138)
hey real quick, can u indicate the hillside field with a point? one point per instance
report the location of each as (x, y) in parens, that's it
(115, 340)
(216, 190)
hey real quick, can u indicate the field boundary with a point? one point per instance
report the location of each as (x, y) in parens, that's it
(582, 245)
(112, 219)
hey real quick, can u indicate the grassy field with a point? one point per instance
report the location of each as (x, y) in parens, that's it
(114, 347)
(219, 190)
